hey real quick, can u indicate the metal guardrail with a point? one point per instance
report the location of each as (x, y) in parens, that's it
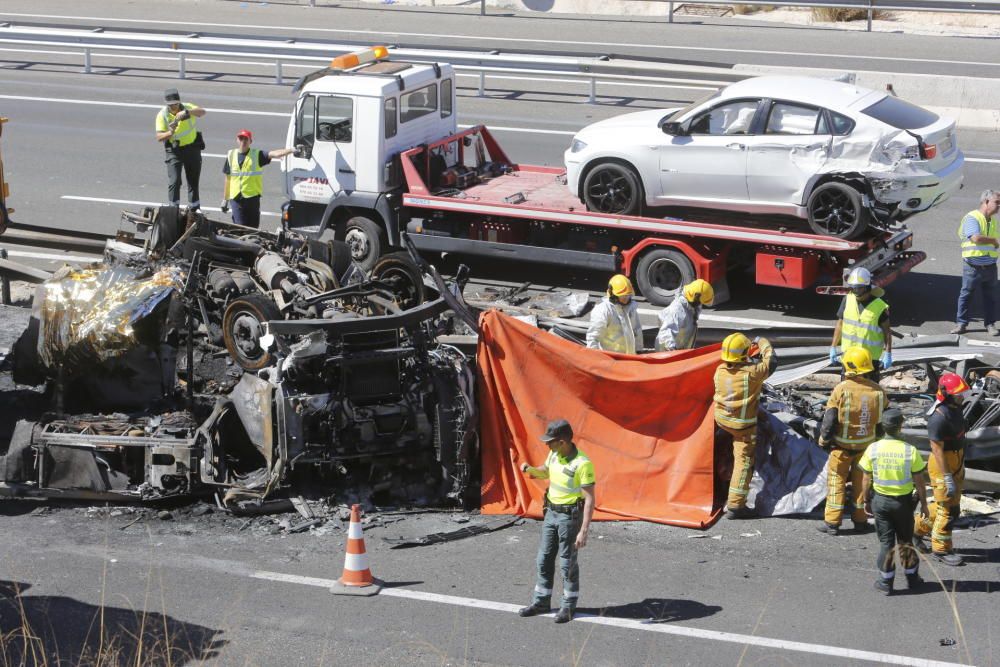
(279, 53)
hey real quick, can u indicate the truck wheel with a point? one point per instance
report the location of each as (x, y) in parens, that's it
(662, 273)
(366, 240)
(612, 188)
(242, 327)
(398, 270)
(835, 209)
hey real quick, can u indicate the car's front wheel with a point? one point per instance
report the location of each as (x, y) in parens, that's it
(612, 188)
(836, 209)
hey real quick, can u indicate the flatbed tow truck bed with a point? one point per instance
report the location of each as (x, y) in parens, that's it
(527, 213)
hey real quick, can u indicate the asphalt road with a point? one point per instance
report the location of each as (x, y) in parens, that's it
(734, 597)
(79, 148)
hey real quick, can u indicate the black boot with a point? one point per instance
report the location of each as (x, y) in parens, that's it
(533, 610)
(564, 615)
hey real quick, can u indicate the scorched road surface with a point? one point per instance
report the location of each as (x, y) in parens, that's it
(233, 591)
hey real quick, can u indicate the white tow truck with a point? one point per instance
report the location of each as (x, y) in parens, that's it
(378, 152)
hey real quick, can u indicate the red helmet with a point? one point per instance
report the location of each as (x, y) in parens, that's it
(950, 384)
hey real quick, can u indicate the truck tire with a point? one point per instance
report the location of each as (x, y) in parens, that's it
(611, 187)
(242, 326)
(662, 273)
(407, 282)
(836, 209)
(366, 240)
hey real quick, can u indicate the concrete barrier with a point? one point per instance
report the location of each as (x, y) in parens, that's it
(971, 101)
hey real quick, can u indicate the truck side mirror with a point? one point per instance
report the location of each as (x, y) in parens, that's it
(303, 151)
(672, 128)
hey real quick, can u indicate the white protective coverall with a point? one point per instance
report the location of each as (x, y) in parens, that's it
(615, 328)
(678, 326)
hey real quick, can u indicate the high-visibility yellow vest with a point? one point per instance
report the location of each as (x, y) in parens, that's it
(860, 326)
(567, 478)
(187, 129)
(245, 179)
(986, 228)
(891, 463)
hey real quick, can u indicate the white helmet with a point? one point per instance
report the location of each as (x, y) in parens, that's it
(859, 277)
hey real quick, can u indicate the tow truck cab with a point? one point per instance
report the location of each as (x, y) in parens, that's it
(351, 122)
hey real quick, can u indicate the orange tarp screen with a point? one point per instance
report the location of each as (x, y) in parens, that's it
(645, 421)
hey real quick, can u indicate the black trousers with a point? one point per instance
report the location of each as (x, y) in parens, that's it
(246, 211)
(187, 158)
(894, 524)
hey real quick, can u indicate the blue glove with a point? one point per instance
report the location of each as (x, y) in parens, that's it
(834, 353)
(949, 485)
(885, 359)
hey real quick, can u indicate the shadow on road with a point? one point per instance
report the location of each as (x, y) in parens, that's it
(656, 610)
(47, 630)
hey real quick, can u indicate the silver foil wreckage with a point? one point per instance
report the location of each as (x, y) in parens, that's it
(217, 358)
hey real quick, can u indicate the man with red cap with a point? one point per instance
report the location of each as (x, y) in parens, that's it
(245, 179)
(946, 429)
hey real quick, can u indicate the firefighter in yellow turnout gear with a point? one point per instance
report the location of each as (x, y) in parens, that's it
(852, 413)
(738, 383)
(946, 429)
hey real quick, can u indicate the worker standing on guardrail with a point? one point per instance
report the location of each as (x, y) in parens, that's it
(679, 320)
(739, 380)
(863, 322)
(980, 240)
(852, 412)
(614, 322)
(244, 179)
(176, 127)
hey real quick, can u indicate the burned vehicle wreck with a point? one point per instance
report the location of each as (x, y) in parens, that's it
(220, 359)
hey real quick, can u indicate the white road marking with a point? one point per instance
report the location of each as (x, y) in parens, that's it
(628, 624)
(479, 39)
(51, 256)
(982, 159)
(130, 202)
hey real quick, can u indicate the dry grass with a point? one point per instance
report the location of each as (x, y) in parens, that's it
(753, 9)
(845, 14)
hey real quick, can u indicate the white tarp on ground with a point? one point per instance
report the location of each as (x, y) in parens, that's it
(790, 472)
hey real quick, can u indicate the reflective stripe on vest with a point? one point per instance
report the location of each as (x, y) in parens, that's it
(563, 489)
(864, 433)
(986, 228)
(860, 327)
(186, 131)
(891, 461)
(246, 179)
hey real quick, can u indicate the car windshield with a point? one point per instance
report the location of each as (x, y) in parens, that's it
(683, 111)
(900, 114)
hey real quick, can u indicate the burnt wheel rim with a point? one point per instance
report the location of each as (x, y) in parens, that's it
(834, 211)
(407, 292)
(611, 192)
(245, 334)
(665, 277)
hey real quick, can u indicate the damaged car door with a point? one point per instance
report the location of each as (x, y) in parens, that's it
(784, 159)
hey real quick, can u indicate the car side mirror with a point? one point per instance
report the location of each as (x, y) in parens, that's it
(672, 128)
(302, 151)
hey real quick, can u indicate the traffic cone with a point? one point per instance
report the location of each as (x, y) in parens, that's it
(357, 578)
